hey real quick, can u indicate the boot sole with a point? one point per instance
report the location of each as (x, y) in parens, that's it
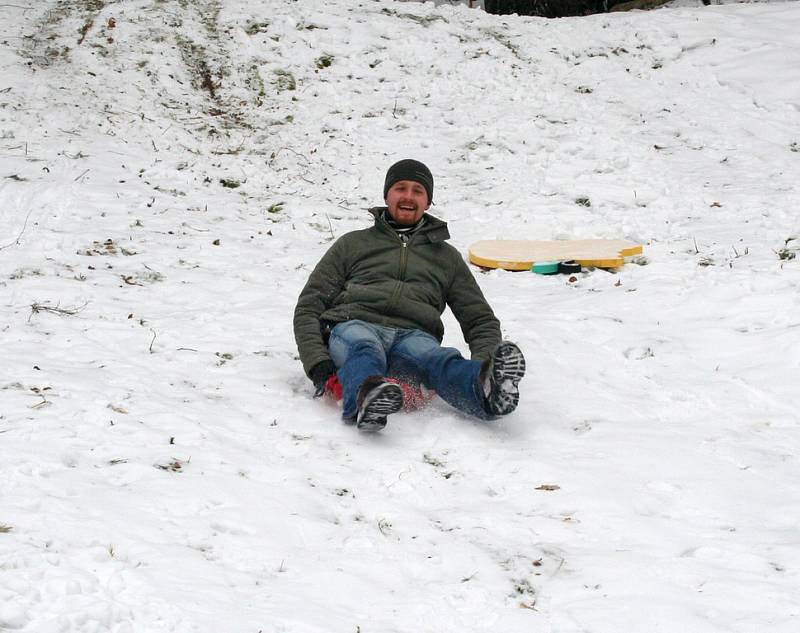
(508, 368)
(379, 403)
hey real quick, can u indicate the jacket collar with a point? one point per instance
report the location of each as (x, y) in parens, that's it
(434, 229)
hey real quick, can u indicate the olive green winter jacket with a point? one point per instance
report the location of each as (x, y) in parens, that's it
(374, 276)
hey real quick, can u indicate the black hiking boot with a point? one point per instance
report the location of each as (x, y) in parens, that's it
(501, 379)
(376, 400)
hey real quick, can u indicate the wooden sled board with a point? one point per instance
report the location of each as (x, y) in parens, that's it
(522, 254)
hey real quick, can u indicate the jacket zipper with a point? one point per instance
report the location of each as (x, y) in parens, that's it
(403, 261)
(403, 265)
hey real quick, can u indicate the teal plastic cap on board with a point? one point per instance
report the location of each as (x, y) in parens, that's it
(545, 268)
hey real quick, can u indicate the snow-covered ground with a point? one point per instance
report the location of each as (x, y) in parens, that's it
(170, 171)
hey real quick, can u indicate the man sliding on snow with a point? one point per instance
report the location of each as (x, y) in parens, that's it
(377, 296)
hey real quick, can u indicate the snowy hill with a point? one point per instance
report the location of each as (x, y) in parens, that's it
(170, 172)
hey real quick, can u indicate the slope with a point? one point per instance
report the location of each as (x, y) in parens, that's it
(172, 170)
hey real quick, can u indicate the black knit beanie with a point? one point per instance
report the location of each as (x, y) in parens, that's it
(409, 169)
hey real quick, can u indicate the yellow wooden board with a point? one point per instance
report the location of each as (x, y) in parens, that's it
(522, 254)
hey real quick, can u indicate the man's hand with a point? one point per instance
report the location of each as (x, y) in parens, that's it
(319, 376)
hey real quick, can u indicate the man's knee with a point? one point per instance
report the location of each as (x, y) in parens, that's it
(416, 345)
(365, 346)
(351, 338)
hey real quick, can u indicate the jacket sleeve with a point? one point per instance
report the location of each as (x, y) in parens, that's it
(480, 326)
(324, 284)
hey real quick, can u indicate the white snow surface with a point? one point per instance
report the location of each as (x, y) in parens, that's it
(171, 171)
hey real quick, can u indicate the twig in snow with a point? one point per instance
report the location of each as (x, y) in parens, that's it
(40, 392)
(700, 44)
(189, 226)
(384, 526)
(330, 226)
(82, 175)
(19, 237)
(231, 152)
(84, 30)
(280, 149)
(153, 341)
(36, 308)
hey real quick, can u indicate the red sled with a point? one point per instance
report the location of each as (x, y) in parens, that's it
(414, 396)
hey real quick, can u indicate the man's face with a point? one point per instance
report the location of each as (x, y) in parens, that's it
(407, 201)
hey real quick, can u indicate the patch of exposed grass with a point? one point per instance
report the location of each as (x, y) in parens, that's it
(323, 61)
(195, 57)
(284, 80)
(253, 28)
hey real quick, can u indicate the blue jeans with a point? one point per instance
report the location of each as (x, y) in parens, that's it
(360, 349)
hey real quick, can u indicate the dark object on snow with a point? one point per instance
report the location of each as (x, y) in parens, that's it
(564, 8)
(545, 8)
(320, 374)
(569, 267)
